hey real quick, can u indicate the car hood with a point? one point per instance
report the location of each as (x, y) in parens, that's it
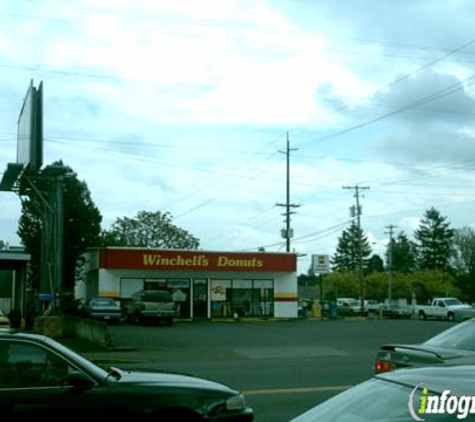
(463, 306)
(459, 379)
(172, 380)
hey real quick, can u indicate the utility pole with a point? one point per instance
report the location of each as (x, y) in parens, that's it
(390, 260)
(287, 233)
(357, 190)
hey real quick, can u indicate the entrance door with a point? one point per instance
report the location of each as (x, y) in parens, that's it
(200, 298)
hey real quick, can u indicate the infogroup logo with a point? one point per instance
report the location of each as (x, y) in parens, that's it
(421, 403)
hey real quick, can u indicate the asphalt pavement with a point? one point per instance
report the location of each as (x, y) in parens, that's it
(283, 367)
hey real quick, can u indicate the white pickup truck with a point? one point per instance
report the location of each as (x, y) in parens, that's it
(441, 307)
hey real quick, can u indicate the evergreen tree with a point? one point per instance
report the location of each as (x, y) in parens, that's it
(375, 264)
(464, 260)
(403, 254)
(346, 257)
(82, 220)
(434, 242)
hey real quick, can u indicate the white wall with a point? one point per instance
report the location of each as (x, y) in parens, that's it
(285, 310)
(285, 286)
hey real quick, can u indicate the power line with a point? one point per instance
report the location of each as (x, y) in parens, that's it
(227, 24)
(429, 98)
(394, 82)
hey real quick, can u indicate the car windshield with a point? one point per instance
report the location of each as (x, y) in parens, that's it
(461, 336)
(374, 400)
(103, 302)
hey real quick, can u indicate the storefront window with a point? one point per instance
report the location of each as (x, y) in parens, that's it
(263, 296)
(220, 298)
(180, 290)
(155, 284)
(242, 297)
(178, 287)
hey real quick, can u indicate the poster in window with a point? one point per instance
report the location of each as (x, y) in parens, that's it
(218, 290)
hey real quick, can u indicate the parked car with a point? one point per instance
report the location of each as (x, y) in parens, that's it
(348, 306)
(103, 308)
(441, 307)
(401, 397)
(150, 305)
(454, 346)
(371, 305)
(4, 321)
(395, 310)
(41, 378)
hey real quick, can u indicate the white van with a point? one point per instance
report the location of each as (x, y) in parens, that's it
(349, 305)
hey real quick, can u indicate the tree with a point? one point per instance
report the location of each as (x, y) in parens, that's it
(82, 221)
(403, 254)
(375, 264)
(309, 279)
(149, 230)
(434, 237)
(346, 257)
(341, 284)
(464, 260)
(428, 284)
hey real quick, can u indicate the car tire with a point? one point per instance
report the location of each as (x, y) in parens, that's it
(450, 316)
(422, 315)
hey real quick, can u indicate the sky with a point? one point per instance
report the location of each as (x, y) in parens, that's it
(185, 107)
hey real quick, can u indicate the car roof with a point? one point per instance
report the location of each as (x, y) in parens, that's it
(16, 334)
(13, 332)
(459, 379)
(445, 298)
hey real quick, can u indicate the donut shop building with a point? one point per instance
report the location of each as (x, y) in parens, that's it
(204, 284)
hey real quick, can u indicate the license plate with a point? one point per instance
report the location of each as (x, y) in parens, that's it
(107, 317)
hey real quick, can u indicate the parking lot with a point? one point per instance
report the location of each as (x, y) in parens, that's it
(284, 367)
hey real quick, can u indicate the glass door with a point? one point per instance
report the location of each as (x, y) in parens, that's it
(200, 298)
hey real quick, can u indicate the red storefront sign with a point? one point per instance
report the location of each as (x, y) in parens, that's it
(146, 259)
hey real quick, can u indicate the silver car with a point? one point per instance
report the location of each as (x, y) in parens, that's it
(403, 396)
(104, 309)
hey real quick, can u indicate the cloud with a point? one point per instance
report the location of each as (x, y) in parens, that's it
(427, 146)
(429, 98)
(183, 107)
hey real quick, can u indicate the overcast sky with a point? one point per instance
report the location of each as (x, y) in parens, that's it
(184, 106)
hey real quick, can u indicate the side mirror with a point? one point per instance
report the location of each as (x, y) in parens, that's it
(80, 380)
